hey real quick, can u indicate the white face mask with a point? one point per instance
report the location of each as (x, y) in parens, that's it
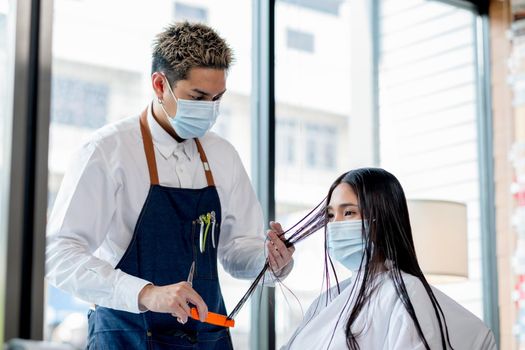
(193, 118)
(346, 243)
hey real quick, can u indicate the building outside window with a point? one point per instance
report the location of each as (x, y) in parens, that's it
(321, 143)
(79, 103)
(191, 13)
(299, 40)
(286, 138)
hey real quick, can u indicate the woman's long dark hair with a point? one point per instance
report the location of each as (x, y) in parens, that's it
(383, 207)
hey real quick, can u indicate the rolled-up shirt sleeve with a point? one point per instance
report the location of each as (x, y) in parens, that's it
(78, 224)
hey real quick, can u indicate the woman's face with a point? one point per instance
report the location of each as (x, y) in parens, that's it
(343, 204)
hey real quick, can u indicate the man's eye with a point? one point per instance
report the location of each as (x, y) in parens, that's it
(196, 98)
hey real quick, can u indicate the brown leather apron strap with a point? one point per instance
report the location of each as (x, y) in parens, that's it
(205, 164)
(147, 140)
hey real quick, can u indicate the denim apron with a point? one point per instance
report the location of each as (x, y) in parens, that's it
(164, 245)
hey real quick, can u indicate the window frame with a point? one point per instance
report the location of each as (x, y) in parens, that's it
(25, 268)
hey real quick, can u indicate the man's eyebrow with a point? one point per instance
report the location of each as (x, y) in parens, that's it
(205, 93)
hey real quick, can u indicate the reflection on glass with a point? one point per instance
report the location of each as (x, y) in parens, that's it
(313, 94)
(101, 73)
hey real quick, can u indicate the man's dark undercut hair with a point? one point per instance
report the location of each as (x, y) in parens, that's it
(183, 46)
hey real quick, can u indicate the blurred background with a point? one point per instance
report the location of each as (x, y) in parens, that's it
(429, 90)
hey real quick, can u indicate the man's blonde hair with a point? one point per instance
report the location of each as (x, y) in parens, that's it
(183, 46)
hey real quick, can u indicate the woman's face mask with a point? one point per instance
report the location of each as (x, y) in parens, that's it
(345, 240)
(193, 119)
(346, 243)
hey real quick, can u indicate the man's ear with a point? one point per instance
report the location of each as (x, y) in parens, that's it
(158, 82)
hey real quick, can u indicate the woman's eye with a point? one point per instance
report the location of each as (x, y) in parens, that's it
(196, 98)
(349, 213)
(330, 216)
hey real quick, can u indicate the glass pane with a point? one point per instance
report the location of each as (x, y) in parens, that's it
(315, 97)
(101, 73)
(6, 94)
(428, 119)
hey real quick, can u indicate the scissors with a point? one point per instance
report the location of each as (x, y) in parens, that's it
(190, 275)
(212, 318)
(190, 281)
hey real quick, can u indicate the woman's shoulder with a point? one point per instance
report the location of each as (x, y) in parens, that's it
(417, 292)
(474, 333)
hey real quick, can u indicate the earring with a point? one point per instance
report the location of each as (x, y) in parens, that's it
(159, 100)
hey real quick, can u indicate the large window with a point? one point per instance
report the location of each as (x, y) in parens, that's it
(314, 97)
(426, 120)
(91, 89)
(428, 115)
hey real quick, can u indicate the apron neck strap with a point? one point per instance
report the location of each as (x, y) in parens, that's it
(148, 148)
(150, 153)
(206, 165)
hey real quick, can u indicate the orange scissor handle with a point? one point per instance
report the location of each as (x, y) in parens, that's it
(213, 318)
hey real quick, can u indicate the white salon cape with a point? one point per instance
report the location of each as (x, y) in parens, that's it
(104, 190)
(385, 323)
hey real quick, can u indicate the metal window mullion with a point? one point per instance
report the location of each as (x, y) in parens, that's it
(263, 155)
(486, 176)
(24, 300)
(375, 28)
(42, 120)
(17, 174)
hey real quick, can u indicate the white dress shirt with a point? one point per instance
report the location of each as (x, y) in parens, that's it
(385, 324)
(103, 192)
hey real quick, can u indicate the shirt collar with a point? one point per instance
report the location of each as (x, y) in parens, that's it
(165, 143)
